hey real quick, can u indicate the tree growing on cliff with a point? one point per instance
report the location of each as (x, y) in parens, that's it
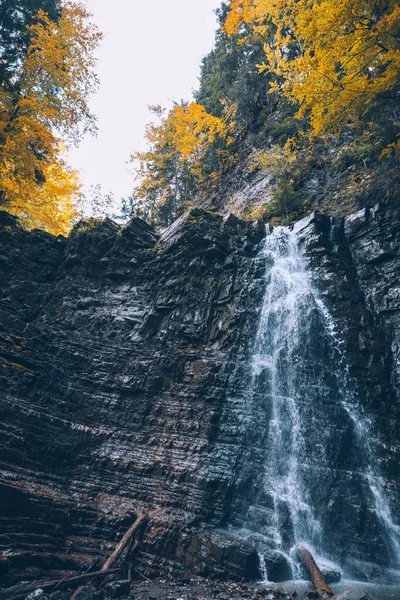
(175, 165)
(337, 65)
(335, 60)
(42, 106)
(229, 75)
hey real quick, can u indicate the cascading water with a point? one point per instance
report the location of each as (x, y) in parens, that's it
(314, 422)
(285, 315)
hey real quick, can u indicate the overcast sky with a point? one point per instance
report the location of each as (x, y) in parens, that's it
(151, 54)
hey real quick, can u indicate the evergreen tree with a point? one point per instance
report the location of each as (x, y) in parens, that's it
(15, 17)
(229, 74)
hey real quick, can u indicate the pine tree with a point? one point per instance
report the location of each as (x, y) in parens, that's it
(15, 18)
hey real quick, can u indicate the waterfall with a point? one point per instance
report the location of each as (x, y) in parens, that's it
(285, 315)
(319, 443)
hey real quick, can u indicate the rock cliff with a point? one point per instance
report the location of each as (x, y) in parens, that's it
(123, 361)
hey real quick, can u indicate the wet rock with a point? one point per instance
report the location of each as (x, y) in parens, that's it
(90, 593)
(219, 555)
(124, 382)
(124, 370)
(118, 589)
(39, 593)
(60, 595)
(278, 566)
(352, 594)
(331, 575)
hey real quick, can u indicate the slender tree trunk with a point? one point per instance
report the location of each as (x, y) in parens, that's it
(124, 542)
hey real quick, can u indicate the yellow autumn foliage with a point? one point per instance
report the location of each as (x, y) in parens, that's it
(186, 133)
(174, 161)
(347, 53)
(47, 104)
(50, 206)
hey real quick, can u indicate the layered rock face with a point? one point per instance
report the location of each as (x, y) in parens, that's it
(355, 263)
(116, 350)
(123, 375)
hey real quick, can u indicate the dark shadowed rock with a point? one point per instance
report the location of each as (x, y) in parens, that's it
(119, 349)
(221, 556)
(117, 589)
(331, 575)
(60, 595)
(277, 566)
(90, 593)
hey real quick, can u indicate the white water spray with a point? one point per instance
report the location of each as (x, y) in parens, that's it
(289, 373)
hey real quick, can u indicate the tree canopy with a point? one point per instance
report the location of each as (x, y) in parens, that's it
(175, 164)
(335, 60)
(43, 106)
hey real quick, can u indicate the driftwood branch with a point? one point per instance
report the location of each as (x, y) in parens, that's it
(124, 542)
(308, 562)
(126, 539)
(20, 591)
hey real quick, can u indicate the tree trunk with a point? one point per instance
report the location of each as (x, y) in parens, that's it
(308, 562)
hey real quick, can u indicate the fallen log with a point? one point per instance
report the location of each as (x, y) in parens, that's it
(141, 518)
(126, 539)
(20, 591)
(322, 588)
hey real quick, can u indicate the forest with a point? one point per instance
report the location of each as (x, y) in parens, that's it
(309, 89)
(306, 92)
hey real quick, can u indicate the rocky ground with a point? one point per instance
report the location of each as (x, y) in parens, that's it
(194, 589)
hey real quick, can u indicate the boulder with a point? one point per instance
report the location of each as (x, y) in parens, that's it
(331, 574)
(278, 566)
(118, 589)
(222, 556)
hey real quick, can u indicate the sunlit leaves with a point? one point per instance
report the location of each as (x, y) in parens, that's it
(45, 104)
(174, 164)
(335, 59)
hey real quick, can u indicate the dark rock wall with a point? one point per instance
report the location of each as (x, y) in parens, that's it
(123, 371)
(356, 266)
(114, 362)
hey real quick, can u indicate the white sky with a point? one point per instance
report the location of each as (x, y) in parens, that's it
(151, 54)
